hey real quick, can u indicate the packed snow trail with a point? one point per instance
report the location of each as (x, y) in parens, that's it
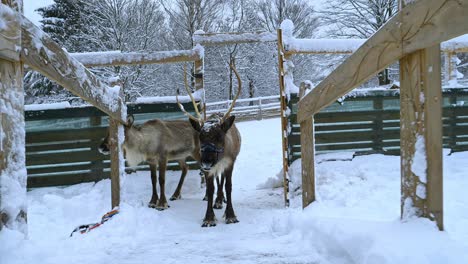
(355, 220)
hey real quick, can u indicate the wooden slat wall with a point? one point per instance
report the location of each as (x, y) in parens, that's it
(68, 156)
(376, 129)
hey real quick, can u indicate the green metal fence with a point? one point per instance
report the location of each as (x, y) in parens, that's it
(62, 144)
(370, 122)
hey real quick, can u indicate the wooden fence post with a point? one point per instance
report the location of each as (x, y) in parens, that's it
(116, 140)
(308, 162)
(13, 176)
(284, 119)
(378, 124)
(421, 135)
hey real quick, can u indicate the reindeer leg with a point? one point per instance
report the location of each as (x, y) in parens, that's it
(220, 195)
(184, 167)
(206, 189)
(162, 202)
(210, 219)
(154, 197)
(229, 213)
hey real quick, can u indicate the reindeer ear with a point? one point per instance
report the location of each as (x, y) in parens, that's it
(226, 125)
(130, 120)
(195, 124)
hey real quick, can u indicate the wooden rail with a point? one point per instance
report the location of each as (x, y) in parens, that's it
(249, 108)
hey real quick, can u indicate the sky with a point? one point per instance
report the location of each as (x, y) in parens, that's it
(31, 5)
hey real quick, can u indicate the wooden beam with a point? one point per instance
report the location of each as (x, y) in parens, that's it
(421, 135)
(284, 119)
(308, 162)
(116, 137)
(44, 55)
(93, 59)
(13, 202)
(422, 24)
(207, 39)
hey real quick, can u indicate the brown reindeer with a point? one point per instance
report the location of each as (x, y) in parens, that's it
(156, 142)
(220, 143)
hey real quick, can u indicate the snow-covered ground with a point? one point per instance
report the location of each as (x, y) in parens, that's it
(355, 220)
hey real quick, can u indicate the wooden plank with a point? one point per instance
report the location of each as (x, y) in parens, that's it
(66, 135)
(308, 162)
(33, 171)
(96, 59)
(13, 202)
(421, 135)
(419, 25)
(355, 116)
(63, 157)
(44, 55)
(58, 146)
(10, 37)
(65, 179)
(116, 139)
(87, 111)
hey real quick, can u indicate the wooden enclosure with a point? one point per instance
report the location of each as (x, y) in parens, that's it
(412, 36)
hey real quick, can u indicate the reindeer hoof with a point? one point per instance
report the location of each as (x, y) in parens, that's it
(218, 205)
(175, 197)
(153, 203)
(209, 223)
(162, 206)
(232, 220)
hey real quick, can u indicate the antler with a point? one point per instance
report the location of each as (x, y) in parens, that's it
(199, 119)
(239, 83)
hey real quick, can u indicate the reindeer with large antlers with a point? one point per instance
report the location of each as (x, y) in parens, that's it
(220, 143)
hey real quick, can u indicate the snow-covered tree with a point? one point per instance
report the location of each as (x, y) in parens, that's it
(272, 12)
(187, 16)
(359, 19)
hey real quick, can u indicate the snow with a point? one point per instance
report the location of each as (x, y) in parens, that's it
(419, 163)
(39, 107)
(197, 95)
(109, 57)
(356, 218)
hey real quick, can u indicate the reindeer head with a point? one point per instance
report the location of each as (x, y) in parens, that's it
(212, 131)
(104, 147)
(211, 135)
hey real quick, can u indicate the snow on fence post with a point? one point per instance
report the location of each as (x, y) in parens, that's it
(13, 176)
(421, 134)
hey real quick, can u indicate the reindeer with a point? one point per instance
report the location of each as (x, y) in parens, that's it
(220, 143)
(156, 142)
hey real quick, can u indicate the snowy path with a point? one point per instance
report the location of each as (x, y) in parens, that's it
(356, 218)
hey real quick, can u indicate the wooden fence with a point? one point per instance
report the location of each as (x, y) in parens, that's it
(370, 123)
(62, 144)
